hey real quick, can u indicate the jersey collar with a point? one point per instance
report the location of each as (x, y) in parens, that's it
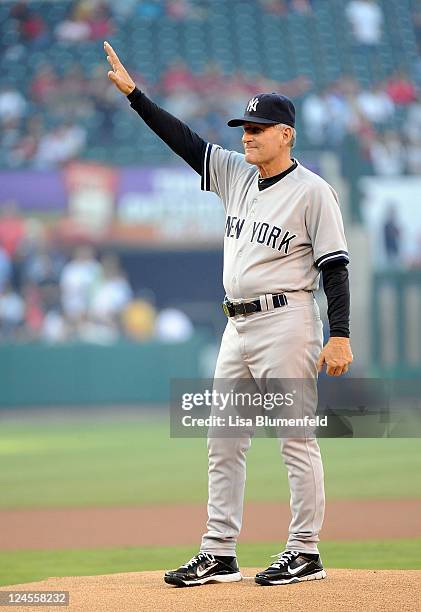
(263, 183)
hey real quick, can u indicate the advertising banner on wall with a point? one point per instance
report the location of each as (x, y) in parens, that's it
(168, 204)
(143, 206)
(91, 191)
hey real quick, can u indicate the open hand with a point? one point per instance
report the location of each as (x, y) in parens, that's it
(118, 75)
(337, 356)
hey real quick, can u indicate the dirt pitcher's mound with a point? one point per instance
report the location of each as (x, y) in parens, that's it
(344, 590)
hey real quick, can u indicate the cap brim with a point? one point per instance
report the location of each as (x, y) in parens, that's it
(243, 120)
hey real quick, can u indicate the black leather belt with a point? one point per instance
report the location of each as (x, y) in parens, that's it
(232, 309)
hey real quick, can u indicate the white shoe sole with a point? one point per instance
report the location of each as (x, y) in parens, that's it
(221, 578)
(236, 577)
(316, 576)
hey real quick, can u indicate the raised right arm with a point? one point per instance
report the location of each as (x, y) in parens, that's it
(176, 134)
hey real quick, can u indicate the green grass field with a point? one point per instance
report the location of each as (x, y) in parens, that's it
(119, 462)
(30, 566)
(112, 463)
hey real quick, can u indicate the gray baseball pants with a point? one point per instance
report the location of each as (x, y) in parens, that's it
(274, 344)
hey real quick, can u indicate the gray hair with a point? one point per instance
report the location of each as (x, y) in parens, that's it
(294, 134)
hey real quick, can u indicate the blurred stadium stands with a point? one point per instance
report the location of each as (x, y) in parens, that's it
(186, 53)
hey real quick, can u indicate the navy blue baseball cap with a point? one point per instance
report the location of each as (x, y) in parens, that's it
(270, 108)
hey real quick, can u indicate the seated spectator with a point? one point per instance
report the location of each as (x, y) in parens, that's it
(388, 154)
(45, 85)
(12, 313)
(78, 280)
(32, 26)
(100, 22)
(177, 77)
(184, 104)
(95, 332)
(54, 328)
(178, 9)
(139, 320)
(274, 7)
(239, 83)
(340, 98)
(24, 149)
(365, 136)
(173, 325)
(315, 114)
(124, 9)
(12, 104)
(73, 29)
(294, 88)
(211, 81)
(366, 19)
(149, 9)
(401, 89)
(10, 135)
(34, 314)
(303, 7)
(111, 294)
(60, 145)
(12, 228)
(42, 264)
(376, 105)
(35, 31)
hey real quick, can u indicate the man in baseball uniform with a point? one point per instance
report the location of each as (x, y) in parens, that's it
(283, 228)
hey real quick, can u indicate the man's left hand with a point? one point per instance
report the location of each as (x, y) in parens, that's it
(337, 356)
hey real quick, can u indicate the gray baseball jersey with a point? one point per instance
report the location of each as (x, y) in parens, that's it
(278, 238)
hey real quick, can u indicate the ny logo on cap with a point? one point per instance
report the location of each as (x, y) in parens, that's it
(251, 106)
